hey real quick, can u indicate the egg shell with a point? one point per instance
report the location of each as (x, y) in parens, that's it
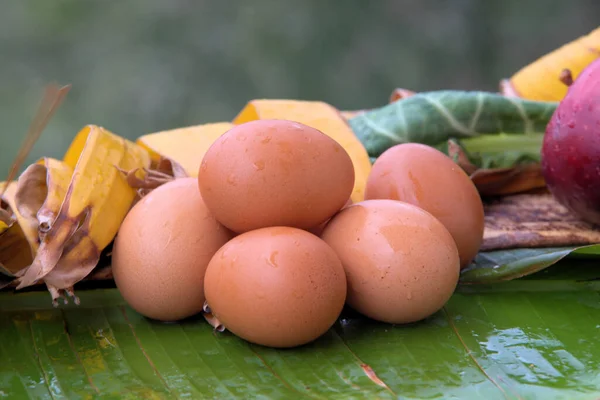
(162, 250)
(426, 177)
(401, 263)
(276, 286)
(275, 173)
(317, 230)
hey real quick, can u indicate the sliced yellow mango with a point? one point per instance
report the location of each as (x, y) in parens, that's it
(15, 251)
(39, 194)
(95, 203)
(321, 116)
(186, 146)
(540, 79)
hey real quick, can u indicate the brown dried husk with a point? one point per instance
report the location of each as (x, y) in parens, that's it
(534, 221)
(144, 180)
(522, 178)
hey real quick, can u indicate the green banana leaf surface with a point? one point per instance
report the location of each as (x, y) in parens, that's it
(505, 265)
(530, 338)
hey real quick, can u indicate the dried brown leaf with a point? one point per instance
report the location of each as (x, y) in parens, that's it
(528, 220)
(53, 97)
(507, 89)
(460, 157)
(15, 253)
(400, 93)
(507, 181)
(144, 180)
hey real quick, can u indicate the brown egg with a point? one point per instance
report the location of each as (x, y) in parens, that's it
(401, 263)
(426, 177)
(317, 230)
(276, 286)
(162, 250)
(275, 172)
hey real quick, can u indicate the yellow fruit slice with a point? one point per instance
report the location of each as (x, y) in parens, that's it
(15, 251)
(540, 79)
(186, 146)
(321, 116)
(95, 203)
(39, 194)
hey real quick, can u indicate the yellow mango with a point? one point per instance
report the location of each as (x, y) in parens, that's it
(186, 146)
(351, 114)
(39, 194)
(540, 79)
(321, 116)
(15, 251)
(95, 203)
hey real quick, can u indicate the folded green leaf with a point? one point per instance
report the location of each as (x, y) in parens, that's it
(433, 118)
(503, 150)
(505, 265)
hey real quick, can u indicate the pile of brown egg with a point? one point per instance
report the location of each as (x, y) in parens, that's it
(268, 239)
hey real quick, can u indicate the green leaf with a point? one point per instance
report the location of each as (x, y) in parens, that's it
(521, 339)
(488, 124)
(503, 150)
(504, 265)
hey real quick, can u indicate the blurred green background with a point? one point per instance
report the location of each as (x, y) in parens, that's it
(139, 66)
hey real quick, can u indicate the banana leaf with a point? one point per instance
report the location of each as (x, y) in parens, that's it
(532, 338)
(505, 265)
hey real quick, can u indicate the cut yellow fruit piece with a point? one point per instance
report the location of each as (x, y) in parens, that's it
(350, 114)
(15, 252)
(321, 116)
(186, 146)
(540, 79)
(40, 192)
(96, 201)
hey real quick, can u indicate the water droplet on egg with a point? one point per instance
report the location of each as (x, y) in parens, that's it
(232, 179)
(272, 259)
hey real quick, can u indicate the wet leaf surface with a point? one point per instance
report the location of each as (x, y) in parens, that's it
(528, 338)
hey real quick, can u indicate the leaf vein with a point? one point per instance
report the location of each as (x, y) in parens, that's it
(470, 353)
(523, 114)
(76, 353)
(380, 129)
(39, 362)
(139, 343)
(477, 113)
(457, 125)
(360, 361)
(275, 374)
